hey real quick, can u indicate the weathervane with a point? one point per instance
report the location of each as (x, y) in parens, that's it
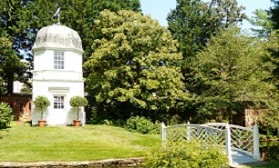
(57, 14)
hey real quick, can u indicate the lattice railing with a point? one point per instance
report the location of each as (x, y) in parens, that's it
(241, 137)
(235, 137)
(199, 133)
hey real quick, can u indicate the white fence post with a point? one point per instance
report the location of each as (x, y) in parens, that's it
(228, 142)
(188, 131)
(256, 143)
(163, 132)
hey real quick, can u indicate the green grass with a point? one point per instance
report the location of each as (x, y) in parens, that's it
(92, 142)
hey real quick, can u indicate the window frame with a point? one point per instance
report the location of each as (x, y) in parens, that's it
(59, 102)
(59, 60)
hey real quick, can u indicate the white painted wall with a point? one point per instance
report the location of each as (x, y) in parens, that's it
(50, 82)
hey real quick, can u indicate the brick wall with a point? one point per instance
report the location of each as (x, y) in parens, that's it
(21, 105)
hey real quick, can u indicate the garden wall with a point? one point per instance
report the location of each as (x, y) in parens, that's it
(110, 163)
(21, 105)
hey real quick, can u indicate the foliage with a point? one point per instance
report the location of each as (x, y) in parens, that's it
(77, 102)
(269, 120)
(262, 20)
(41, 102)
(186, 154)
(26, 89)
(5, 115)
(270, 153)
(142, 125)
(274, 14)
(134, 69)
(234, 75)
(23, 143)
(10, 64)
(193, 22)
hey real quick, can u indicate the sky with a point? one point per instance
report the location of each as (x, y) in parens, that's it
(159, 9)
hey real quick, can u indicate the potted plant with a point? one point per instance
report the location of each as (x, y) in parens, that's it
(42, 103)
(77, 102)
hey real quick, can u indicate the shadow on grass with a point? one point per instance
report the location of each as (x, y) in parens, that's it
(4, 129)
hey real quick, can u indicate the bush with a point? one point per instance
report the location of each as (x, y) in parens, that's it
(5, 115)
(141, 124)
(42, 103)
(77, 102)
(186, 154)
(270, 152)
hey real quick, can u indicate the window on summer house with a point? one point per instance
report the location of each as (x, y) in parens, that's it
(58, 102)
(58, 60)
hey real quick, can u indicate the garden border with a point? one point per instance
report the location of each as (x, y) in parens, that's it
(124, 162)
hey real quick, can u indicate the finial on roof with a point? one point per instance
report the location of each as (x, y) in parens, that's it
(57, 14)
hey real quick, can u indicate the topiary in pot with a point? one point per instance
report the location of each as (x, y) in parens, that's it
(77, 102)
(42, 103)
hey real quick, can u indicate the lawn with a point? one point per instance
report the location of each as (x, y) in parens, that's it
(92, 142)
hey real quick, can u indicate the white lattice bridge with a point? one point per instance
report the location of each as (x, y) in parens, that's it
(241, 144)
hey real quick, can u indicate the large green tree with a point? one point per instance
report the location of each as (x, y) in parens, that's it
(10, 66)
(10, 62)
(134, 69)
(193, 22)
(235, 74)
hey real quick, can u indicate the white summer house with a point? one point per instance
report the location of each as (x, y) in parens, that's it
(57, 73)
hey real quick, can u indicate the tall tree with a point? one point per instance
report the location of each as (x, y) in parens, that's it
(10, 64)
(235, 75)
(274, 14)
(261, 20)
(193, 22)
(134, 69)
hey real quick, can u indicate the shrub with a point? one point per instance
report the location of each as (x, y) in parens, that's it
(270, 152)
(77, 102)
(141, 124)
(42, 103)
(5, 115)
(186, 154)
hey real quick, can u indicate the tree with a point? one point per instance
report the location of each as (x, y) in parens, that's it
(263, 23)
(193, 22)
(77, 102)
(235, 75)
(10, 65)
(274, 14)
(134, 68)
(42, 103)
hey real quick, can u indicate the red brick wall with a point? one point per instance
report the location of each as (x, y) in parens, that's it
(21, 105)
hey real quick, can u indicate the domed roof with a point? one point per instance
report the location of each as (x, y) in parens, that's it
(58, 36)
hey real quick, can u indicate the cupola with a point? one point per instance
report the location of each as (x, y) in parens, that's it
(57, 36)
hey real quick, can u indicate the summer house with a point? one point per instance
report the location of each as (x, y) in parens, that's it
(57, 73)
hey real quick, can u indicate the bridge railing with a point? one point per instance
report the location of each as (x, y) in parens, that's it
(232, 137)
